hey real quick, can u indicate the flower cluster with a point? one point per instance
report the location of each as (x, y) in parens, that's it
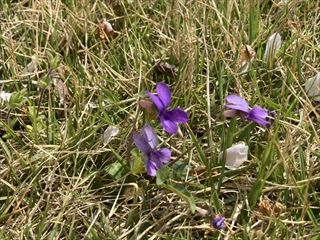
(237, 106)
(147, 141)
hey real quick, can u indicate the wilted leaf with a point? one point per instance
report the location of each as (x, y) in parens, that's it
(202, 212)
(272, 47)
(4, 96)
(293, 25)
(247, 57)
(236, 155)
(109, 133)
(312, 87)
(166, 69)
(146, 104)
(104, 30)
(149, 107)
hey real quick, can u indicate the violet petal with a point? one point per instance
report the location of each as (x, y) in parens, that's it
(168, 125)
(151, 168)
(259, 115)
(237, 103)
(160, 157)
(154, 157)
(177, 115)
(149, 136)
(156, 101)
(141, 143)
(164, 94)
(164, 155)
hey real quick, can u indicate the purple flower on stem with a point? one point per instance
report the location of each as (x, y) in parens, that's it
(234, 102)
(147, 143)
(218, 222)
(236, 105)
(169, 119)
(260, 116)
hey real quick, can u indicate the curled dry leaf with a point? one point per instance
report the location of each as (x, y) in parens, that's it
(247, 57)
(109, 133)
(236, 155)
(57, 75)
(166, 68)
(146, 104)
(282, 3)
(104, 30)
(31, 67)
(149, 108)
(293, 25)
(273, 45)
(270, 208)
(202, 212)
(312, 87)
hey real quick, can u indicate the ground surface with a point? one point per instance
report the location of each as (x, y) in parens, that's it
(71, 81)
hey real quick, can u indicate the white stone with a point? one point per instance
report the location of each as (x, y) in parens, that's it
(312, 87)
(236, 155)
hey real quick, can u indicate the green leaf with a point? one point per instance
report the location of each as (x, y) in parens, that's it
(179, 171)
(202, 155)
(162, 175)
(182, 192)
(17, 99)
(137, 166)
(133, 217)
(255, 192)
(115, 170)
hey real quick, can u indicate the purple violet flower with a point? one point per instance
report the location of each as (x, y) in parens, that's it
(261, 116)
(169, 119)
(218, 222)
(147, 143)
(234, 102)
(236, 105)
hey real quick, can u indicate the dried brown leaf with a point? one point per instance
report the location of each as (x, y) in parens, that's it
(167, 69)
(149, 108)
(270, 208)
(247, 57)
(104, 30)
(31, 67)
(247, 54)
(57, 75)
